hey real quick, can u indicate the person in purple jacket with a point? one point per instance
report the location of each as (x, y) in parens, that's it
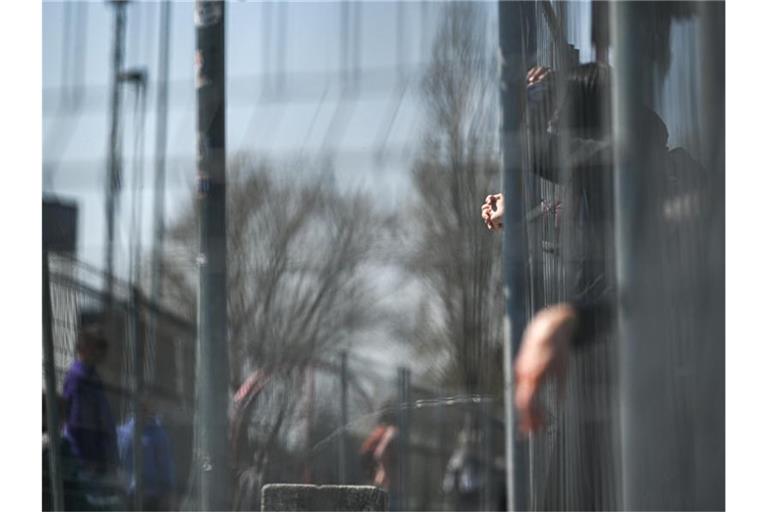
(88, 421)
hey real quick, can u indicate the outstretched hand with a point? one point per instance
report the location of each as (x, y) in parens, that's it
(493, 211)
(543, 352)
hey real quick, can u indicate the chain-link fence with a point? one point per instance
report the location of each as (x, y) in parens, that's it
(408, 108)
(623, 174)
(315, 422)
(167, 373)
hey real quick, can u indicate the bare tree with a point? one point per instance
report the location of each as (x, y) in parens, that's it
(299, 255)
(459, 322)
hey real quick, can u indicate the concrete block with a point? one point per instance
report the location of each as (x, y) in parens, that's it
(301, 498)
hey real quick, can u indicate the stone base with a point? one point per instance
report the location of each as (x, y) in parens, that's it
(300, 498)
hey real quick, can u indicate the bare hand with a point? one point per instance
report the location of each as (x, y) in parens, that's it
(536, 74)
(543, 352)
(493, 211)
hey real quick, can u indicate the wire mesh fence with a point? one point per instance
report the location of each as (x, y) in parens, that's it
(631, 230)
(290, 424)
(404, 104)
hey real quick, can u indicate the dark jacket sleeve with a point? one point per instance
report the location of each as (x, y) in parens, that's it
(595, 315)
(548, 152)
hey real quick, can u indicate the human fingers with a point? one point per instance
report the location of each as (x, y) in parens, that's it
(487, 220)
(532, 73)
(541, 72)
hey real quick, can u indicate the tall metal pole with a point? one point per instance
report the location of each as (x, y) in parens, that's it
(641, 400)
(656, 471)
(52, 402)
(344, 419)
(114, 169)
(710, 450)
(212, 357)
(514, 243)
(158, 232)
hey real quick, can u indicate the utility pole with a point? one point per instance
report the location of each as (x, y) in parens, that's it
(158, 232)
(515, 248)
(114, 171)
(212, 358)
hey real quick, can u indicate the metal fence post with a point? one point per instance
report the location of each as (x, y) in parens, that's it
(638, 356)
(114, 170)
(487, 435)
(344, 419)
(213, 389)
(403, 417)
(710, 482)
(309, 376)
(515, 249)
(656, 471)
(137, 356)
(158, 228)
(52, 402)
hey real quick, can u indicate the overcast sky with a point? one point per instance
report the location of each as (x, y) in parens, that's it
(284, 91)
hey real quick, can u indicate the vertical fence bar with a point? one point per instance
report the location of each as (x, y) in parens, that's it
(114, 171)
(626, 219)
(158, 228)
(512, 75)
(309, 377)
(52, 402)
(442, 442)
(213, 378)
(656, 470)
(487, 436)
(344, 419)
(642, 413)
(137, 380)
(404, 418)
(710, 410)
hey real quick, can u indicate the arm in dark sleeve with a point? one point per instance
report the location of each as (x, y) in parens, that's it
(547, 152)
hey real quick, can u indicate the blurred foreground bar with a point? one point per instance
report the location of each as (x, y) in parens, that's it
(299, 498)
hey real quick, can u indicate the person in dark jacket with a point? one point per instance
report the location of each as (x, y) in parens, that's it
(89, 425)
(570, 143)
